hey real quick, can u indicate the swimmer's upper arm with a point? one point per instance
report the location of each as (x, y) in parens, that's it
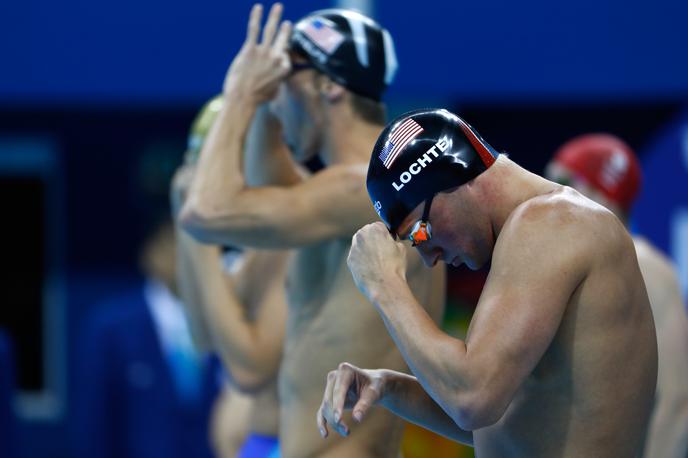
(331, 204)
(537, 264)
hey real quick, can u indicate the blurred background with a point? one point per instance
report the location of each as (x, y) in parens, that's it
(96, 99)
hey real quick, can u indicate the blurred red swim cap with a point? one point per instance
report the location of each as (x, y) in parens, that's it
(606, 163)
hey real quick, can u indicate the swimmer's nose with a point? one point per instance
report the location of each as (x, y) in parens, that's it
(429, 256)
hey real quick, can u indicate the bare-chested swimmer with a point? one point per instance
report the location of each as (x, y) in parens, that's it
(560, 357)
(604, 168)
(237, 308)
(323, 83)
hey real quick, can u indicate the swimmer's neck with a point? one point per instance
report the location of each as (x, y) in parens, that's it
(348, 140)
(505, 186)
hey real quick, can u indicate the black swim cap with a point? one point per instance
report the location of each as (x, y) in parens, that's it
(349, 47)
(419, 154)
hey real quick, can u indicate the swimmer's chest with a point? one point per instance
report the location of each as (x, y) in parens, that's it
(316, 272)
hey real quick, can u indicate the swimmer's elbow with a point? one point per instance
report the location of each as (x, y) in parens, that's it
(250, 383)
(477, 410)
(199, 221)
(193, 219)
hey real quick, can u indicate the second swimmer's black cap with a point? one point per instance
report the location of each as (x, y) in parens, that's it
(349, 47)
(419, 154)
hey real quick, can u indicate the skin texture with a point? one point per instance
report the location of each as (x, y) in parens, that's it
(240, 314)
(328, 319)
(560, 357)
(227, 431)
(668, 431)
(238, 311)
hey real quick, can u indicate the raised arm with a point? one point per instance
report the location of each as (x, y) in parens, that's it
(223, 209)
(247, 331)
(249, 341)
(267, 160)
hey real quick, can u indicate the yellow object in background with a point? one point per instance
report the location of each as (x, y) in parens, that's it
(420, 443)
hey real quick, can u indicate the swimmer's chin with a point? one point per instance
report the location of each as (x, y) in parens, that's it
(470, 263)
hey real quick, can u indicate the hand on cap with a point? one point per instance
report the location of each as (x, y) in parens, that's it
(374, 258)
(349, 387)
(260, 66)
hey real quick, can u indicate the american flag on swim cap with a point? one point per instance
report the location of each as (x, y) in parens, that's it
(402, 136)
(324, 36)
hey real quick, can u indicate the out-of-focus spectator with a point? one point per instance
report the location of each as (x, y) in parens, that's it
(142, 389)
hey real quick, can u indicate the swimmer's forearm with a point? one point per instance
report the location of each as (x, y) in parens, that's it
(190, 295)
(406, 398)
(437, 359)
(242, 346)
(267, 161)
(218, 178)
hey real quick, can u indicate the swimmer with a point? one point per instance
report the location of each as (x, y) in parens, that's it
(605, 169)
(319, 86)
(237, 307)
(560, 357)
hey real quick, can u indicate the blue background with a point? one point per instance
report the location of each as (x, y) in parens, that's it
(170, 52)
(104, 82)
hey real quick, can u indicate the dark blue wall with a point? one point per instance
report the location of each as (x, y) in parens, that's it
(165, 52)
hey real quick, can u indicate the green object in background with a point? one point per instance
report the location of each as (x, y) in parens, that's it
(201, 126)
(457, 318)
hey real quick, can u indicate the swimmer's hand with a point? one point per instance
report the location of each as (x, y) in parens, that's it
(377, 262)
(258, 68)
(349, 388)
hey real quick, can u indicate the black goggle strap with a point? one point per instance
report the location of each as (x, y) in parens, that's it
(426, 210)
(299, 66)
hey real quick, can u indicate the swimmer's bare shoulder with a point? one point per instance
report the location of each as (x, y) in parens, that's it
(562, 264)
(349, 206)
(562, 223)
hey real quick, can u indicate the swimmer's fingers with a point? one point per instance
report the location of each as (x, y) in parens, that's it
(271, 24)
(282, 40)
(254, 23)
(324, 414)
(342, 385)
(370, 394)
(322, 423)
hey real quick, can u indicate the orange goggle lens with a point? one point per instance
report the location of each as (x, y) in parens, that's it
(421, 232)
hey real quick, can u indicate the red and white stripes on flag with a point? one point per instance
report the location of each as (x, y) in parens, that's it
(402, 136)
(324, 36)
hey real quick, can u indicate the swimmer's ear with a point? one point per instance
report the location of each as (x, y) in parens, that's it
(331, 91)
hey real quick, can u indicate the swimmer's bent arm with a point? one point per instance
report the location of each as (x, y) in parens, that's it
(250, 347)
(360, 389)
(406, 397)
(531, 280)
(266, 159)
(222, 209)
